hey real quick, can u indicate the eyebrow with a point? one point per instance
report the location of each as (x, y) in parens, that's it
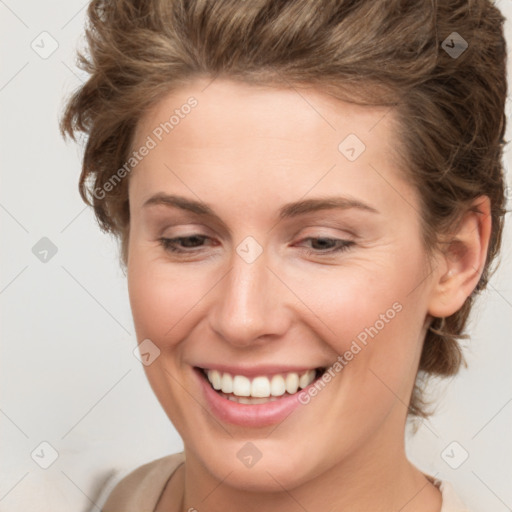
(287, 211)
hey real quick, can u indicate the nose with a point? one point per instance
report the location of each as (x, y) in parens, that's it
(250, 303)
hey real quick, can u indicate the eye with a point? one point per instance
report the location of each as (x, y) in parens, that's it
(184, 244)
(195, 242)
(326, 245)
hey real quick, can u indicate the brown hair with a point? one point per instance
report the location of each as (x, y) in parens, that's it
(448, 99)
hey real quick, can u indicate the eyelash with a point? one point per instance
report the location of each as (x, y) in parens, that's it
(169, 244)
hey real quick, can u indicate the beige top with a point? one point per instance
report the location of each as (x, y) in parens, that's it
(141, 489)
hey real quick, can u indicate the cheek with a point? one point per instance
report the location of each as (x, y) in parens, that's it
(372, 315)
(161, 303)
(355, 303)
(160, 299)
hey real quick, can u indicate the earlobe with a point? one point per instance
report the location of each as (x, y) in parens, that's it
(461, 263)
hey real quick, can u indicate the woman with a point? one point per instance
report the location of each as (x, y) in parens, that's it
(308, 197)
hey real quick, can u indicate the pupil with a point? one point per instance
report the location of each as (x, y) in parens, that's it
(194, 239)
(323, 243)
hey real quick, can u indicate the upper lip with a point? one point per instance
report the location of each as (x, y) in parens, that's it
(255, 371)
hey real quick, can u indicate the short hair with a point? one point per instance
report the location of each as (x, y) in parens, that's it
(440, 65)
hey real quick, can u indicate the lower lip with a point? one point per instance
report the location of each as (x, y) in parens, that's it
(247, 415)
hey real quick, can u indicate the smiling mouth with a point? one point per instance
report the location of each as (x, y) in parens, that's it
(260, 389)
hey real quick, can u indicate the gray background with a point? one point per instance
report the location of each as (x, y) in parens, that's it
(68, 374)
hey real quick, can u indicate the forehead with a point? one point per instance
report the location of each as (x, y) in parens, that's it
(241, 110)
(222, 132)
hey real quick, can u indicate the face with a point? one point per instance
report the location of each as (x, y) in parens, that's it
(263, 241)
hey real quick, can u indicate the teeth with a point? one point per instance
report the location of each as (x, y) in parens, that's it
(259, 387)
(292, 383)
(245, 400)
(241, 385)
(305, 379)
(277, 386)
(216, 379)
(227, 383)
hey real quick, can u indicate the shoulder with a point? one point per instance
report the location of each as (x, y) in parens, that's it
(141, 488)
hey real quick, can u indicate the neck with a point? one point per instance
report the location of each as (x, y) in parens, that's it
(378, 477)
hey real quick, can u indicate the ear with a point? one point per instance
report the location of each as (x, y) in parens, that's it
(460, 264)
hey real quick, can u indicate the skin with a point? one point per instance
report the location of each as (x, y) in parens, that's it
(246, 151)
